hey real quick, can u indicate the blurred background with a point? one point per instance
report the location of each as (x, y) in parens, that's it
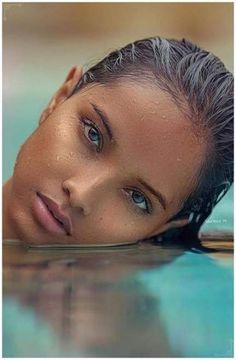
(42, 41)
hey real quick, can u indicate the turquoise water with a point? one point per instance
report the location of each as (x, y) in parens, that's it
(139, 301)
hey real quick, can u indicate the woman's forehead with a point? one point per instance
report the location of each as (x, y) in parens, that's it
(153, 138)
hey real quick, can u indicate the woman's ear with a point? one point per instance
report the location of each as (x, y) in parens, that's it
(171, 225)
(63, 92)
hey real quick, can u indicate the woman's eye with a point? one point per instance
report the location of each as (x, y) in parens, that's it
(140, 200)
(93, 135)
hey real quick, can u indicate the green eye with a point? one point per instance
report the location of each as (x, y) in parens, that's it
(139, 200)
(92, 134)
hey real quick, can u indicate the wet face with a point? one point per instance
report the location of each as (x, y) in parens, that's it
(109, 165)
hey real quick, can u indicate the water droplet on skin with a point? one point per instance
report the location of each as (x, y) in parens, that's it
(71, 153)
(163, 117)
(58, 158)
(179, 159)
(28, 161)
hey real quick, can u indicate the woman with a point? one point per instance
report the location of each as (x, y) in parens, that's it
(139, 146)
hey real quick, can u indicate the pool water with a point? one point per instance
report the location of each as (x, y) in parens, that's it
(134, 301)
(139, 301)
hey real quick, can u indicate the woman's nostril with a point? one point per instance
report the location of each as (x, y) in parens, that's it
(74, 199)
(66, 189)
(67, 192)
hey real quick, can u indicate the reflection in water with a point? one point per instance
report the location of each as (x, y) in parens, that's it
(196, 304)
(134, 301)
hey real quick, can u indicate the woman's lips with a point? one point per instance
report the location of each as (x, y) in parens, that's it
(50, 216)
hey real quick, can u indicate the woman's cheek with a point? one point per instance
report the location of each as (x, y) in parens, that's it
(125, 223)
(111, 226)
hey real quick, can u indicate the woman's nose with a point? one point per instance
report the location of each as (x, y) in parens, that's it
(86, 194)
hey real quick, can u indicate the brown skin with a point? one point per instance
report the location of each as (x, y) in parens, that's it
(152, 140)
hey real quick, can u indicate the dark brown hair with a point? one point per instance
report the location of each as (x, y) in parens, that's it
(203, 89)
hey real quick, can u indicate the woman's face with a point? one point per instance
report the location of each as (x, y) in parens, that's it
(113, 164)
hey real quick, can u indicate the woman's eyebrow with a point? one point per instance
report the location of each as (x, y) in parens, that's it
(161, 198)
(104, 119)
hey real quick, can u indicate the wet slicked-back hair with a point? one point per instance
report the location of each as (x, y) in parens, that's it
(202, 87)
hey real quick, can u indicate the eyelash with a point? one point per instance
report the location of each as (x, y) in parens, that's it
(98, 149)
(148, 209)
(91, 124)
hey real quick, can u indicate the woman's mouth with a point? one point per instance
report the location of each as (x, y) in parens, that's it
(49, 215)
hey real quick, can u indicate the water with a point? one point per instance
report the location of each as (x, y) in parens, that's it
(132, 301)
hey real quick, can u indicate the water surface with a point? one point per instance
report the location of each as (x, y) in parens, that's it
(134, 301)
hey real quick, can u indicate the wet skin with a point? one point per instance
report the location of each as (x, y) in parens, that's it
(96, 175)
